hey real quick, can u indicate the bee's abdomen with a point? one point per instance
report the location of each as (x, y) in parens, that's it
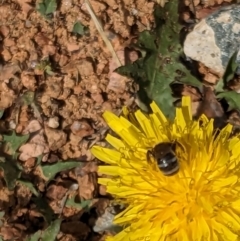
(168, 164)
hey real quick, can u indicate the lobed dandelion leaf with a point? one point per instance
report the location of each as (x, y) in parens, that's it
(160, 64)
(30, 186)
(13, 142)
(11, 172)
(228, 74)
(47, 7)
(232, 98)
(49, 171)
(78, 28)
(50, 234)
(85, 204)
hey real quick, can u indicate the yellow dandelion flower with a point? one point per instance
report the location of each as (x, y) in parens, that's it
(199, 203)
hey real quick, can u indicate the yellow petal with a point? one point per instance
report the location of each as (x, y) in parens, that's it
(158, 113)
(199, 202)
(180, 120)
(106, 155)
(115, 142)
(187, 108)
(224, 231)
(146, 125)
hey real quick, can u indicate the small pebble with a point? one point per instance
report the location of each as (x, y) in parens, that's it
(12, 125)
(53, 122)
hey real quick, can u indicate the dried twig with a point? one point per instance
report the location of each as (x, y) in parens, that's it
(102, 33)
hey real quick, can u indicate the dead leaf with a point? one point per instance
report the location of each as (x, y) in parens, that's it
(81, 230)
(211, 108)
(204, 12)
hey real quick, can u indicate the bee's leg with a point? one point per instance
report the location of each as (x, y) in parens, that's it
(149, 155)
(180, 145)
(173, 146)
(151, 160)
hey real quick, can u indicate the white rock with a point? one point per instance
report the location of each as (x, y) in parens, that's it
(200, 45)
(215, 39)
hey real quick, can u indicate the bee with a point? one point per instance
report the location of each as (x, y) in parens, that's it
(164, 155)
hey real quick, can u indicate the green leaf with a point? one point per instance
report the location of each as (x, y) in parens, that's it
(82, 205)
(49, 234)
(232, 98)
(161, 65)
(229, 73)
(30, 186)
(51, 6)
(45, 66)
(46, 7)
(35, 237)
(52, 231)
(48, 70)
(13, 142)
(41, 9)
(39, 159)
(2, 213)
(78, 28)
(1, 113)
(49, 171)
(28, 97)
(11, 172)
(43, 207)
